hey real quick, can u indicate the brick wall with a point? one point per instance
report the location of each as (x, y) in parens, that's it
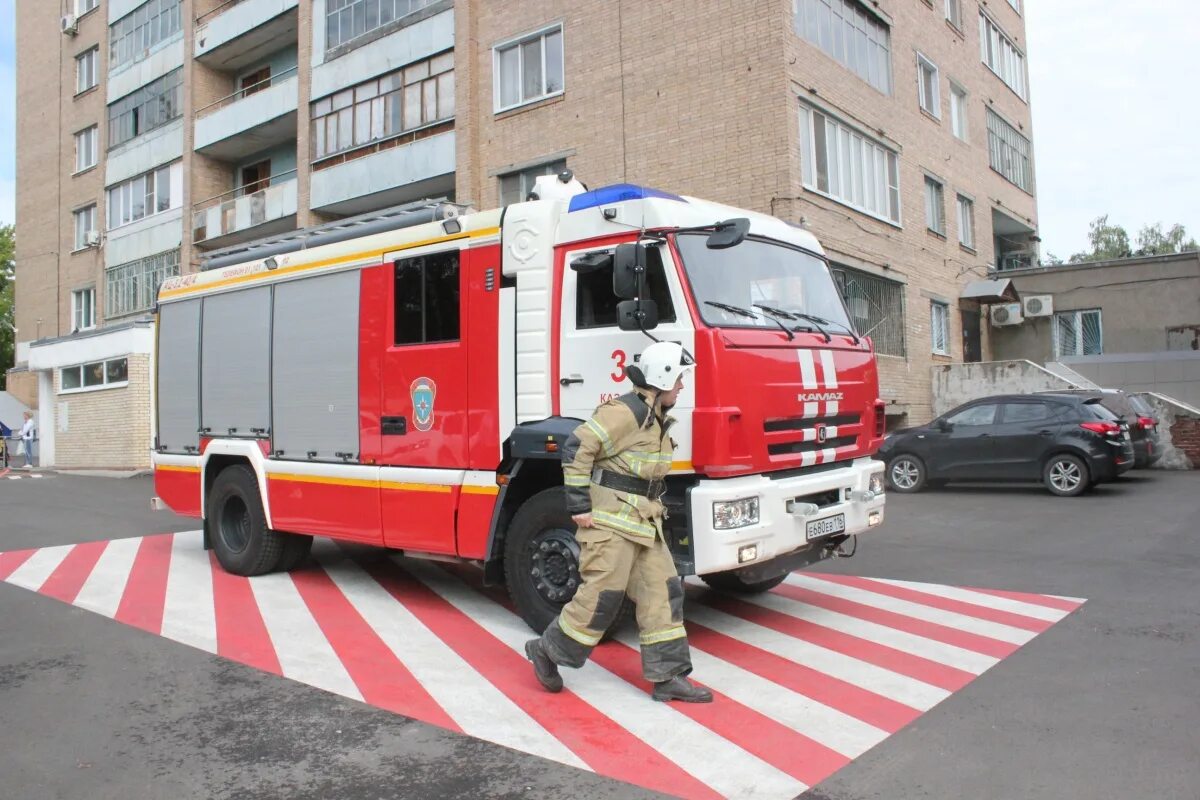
(23, 385)
(1185, 435)
(109, 428)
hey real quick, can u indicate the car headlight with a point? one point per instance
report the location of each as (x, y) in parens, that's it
(735, 513)
(876, 483)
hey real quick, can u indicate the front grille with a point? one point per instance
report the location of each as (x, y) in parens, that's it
(803, 423)
(810, 447)
(822, 499)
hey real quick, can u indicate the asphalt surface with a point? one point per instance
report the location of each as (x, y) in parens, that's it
(1104, 704)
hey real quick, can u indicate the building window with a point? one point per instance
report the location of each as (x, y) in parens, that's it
(83, 308)
(850, 35)
(85, 70)
(85, 148)
(97, 375)
(928, 89)
(958, 111)
(85, 224)
(845, 165)
(1078, 333)
(516, 186)
(133, 287)
(528, 69)
(876, 307)
(1001, 55)
(427, 289)
(935, 206)
(133, 36)
(346, 20)
(154, 104)
(84, 6)
(954, 13)
(421, 94)
(939, 325)
(146, 195)
(1016, 4)
(1008, 152)
(966, 222)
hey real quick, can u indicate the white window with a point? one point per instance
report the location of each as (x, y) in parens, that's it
(148, 194)
(134, 36)
(528, 69)
(133, 287)
(966, 221)
(935, 206)
(958, 111)
(954, 12)
(1001, 55)
(939, 326)
(845, 165)
(928, 89)
(85, 149)
(1016, 4)
(516, 186)
(108, 374)
(85, 70)
(849, 34)
(85, 223)
(1078, 333)
(83, 308)
(346, 20)
(84, 6)
(1008, 152)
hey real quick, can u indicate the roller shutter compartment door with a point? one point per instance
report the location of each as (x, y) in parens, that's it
(235, 363)
(179, 377)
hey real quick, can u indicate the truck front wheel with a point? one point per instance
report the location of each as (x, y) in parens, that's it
(730, 581)
(237, 525)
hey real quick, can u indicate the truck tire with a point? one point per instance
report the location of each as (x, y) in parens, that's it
(237, 524)
(906, 473)
(541, 561)
(296, 547)
(730, 581)
(1066, 475)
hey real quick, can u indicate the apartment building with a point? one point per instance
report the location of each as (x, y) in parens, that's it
(898, 131)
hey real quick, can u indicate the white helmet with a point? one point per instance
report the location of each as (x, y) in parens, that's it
(660, 365)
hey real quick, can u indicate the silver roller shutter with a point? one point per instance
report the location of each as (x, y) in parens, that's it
(235, 362)
(179, 377)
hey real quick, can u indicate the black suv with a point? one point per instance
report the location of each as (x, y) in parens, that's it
(1068, 442)
(1137, 413)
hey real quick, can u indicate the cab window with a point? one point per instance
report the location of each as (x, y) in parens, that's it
(596, 305)
(975, 415)
(1017, 413)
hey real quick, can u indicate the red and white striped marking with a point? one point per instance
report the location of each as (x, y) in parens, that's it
(806, 677)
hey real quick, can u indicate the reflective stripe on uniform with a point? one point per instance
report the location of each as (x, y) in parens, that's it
(605, 443)
(579, 636)
(622, 523)
(669, 635)
(576, 480)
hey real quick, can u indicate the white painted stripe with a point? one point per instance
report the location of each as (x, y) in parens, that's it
(172, 460)
(901, 688)
(189, 615)
(104, 588)
(829, 369)
(808, 458)
(808, 369)
(943, 653)
(827, 455)
(37, 476)
(812, 410)
(478, 707)
(831, 408)
(710, 758)
(33, 573)
(828, 726)
(993, 630)
(831, 431)
(982, 599)
(304, 653)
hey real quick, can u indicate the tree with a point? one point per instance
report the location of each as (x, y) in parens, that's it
(1153, 242)
(1108, 242)
(7, 277)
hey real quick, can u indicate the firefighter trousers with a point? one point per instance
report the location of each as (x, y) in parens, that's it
(612, 567)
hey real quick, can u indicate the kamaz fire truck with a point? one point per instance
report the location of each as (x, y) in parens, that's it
(410, 389)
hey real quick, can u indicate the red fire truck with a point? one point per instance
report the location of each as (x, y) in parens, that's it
(409, 388)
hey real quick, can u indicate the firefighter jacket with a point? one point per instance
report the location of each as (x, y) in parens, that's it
(626, 437)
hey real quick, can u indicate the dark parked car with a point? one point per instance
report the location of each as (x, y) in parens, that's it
(1069, 442)
(1143, 427)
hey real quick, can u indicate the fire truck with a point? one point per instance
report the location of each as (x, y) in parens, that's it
(410, 388)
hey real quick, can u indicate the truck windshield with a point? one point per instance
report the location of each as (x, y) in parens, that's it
(759, 274)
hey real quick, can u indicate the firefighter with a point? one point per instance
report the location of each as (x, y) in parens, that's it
(613, 468)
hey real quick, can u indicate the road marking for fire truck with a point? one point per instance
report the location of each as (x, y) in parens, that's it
(807, 677)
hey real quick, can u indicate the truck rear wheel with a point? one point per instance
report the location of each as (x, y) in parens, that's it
(237, 525)
(541, 561)
(730, 581)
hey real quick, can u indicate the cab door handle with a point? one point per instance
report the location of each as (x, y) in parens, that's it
(570, 380)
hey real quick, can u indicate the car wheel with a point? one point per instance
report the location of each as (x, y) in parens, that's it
(1066, 475)
(237, 525)
(906, 473)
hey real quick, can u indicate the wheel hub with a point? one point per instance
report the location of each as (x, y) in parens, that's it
(234, 524)
(554, 565)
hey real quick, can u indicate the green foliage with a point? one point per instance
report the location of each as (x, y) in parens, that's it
(1153, 242)
(8, 241)
(1112, 241)
(1108, 242)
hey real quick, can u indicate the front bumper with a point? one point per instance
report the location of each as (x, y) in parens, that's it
(780, 533)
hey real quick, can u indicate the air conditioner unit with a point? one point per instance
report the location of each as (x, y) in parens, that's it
(93, 238)
(68, 25)
(1038, 305)
(1007, 314)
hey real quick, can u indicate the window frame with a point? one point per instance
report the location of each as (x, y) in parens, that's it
(347, 7)
(459, 294)
(1011, 150)
(91, 57)
(657, 283)
(150, 198)
(154, 95)
(517, 42)
(83, 313)
(1016, 5)
(926, 65)
(144, 23)
(958, 111)
(938, 188)
(811, 170)
(91, 136)
(965, 202)
(99, 387)
(995, 406)
(992, 49)
(142, 278)
(939, 320)
(954, 14)
(534, 172)
(83, 7)
(77, 215)
(1077, 315)
(1051, 410)
(891, 303)
(813, 25)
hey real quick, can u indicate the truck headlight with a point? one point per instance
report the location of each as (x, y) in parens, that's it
(876, 483)
(735, 513)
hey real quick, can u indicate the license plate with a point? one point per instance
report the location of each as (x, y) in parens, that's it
(823, 527)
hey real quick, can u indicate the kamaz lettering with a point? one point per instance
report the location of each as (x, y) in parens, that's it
(820, 397)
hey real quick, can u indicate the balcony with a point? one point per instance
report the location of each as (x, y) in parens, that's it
(1015, 242)
(236, 217)
(386, 177)
(240, 32)
(250, 120)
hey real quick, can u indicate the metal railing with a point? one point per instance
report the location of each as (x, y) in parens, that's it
(207, 15)
(228, 203)
(244, 92)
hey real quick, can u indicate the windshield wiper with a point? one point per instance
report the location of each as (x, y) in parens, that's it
(777, 312)
(745, 312)
(818, 321)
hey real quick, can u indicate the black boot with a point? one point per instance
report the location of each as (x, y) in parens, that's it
(545, 669)
(680, 688)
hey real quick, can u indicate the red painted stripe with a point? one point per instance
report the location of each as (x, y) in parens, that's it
(381, 677)
(1047, 601)
(601, 743)
(66, 581)
(943, 603)
(12, 560)
(901, 622)
(923, 669)
(241, 634)
(862, 704)
(788, 751)
(146, 592)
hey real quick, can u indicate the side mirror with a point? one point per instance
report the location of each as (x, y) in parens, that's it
(637, 315)
(943, 426)
(629, 271)
(728, 233)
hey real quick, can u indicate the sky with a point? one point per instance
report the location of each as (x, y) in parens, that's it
(1114, 115)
